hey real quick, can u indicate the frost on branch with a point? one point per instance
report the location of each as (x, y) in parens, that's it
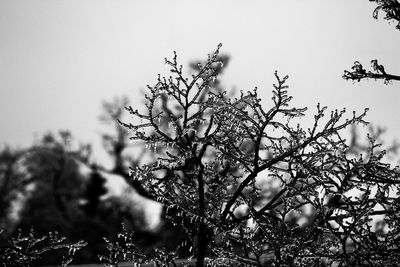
(27, 249)
(358, 73)
(247, 182)
(124, 249)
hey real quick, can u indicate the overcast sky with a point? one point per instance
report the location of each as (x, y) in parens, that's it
(60, 59)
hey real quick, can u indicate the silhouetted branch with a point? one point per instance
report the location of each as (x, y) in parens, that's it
(378, 72)
(392, 12)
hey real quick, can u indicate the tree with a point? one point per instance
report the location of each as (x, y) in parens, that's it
(10, 186)
(22, 173)
(392, 13)
(20, 170)
(117, 142)
(39, 185)
(249, 185)
(52, 186)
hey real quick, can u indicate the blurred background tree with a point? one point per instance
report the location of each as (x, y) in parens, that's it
(116, 142)
(46, 194)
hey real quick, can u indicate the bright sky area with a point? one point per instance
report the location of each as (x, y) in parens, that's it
(60, 59)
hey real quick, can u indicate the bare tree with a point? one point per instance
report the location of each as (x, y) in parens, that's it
(249, 185)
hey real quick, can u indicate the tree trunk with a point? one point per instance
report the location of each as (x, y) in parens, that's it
(203, 239)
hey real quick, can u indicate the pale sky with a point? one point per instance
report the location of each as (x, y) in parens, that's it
(60, 59)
